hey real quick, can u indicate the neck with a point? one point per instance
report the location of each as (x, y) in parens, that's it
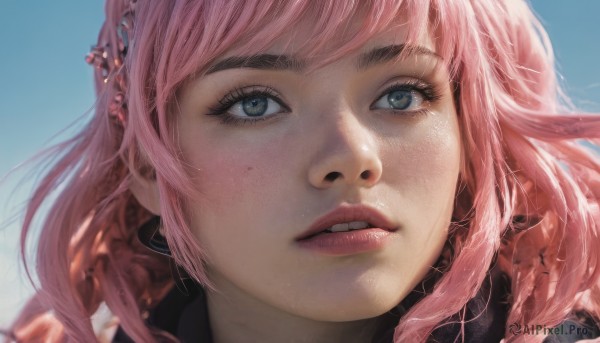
(235, 316)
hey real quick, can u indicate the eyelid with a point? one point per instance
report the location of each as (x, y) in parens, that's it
(239, 93)
(429, 91)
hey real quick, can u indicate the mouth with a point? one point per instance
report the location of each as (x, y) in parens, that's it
(344, 227)
(347, 218)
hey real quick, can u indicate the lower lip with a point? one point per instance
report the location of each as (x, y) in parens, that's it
(348, 242)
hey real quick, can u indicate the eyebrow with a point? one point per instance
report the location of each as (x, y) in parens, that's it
(390, 52)
(262, 61)
(289, 62)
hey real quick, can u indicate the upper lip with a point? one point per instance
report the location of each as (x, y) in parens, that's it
(346, 214)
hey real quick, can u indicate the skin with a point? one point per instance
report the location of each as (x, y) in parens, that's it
(265, 183)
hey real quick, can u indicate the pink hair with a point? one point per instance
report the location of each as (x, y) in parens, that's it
(521, 158)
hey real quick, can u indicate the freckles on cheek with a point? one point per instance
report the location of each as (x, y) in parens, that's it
(227, 178)
(224, 180)
(441, 145)
(430, 158)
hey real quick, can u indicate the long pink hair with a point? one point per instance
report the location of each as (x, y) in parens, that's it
(523, 158)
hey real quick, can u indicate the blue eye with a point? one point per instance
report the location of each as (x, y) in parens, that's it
(400, 99)
(255, 106)
(248, 105)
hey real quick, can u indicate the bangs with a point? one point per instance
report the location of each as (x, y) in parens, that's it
(200, 32)
(330, 29)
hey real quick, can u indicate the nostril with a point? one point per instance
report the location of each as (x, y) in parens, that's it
(365, 175)
(332, 176)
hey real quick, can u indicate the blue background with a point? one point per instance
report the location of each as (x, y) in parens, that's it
(45, 86)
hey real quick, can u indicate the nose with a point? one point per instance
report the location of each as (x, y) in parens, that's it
(348, 155)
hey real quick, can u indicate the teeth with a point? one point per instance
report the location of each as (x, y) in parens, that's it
(348, 226)
(339, 227)
(358, 225)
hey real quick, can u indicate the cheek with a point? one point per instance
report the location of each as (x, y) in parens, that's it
(443, 141)
(243, 185)
(232, 181)
(423, 175)
(226, 175)
(427, 161)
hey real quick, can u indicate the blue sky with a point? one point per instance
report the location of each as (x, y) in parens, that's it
(46, 85)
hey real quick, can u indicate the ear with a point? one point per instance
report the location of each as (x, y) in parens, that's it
(145, 191)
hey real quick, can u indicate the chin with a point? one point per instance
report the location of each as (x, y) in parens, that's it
(356, 302)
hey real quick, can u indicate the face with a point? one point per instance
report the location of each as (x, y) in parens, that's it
(275, 149)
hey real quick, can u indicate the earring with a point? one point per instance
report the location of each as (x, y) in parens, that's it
(150, 237)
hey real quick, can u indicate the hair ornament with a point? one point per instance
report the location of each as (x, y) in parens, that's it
(118, 107)
(98, 57)
(108, 59)
(123, 31)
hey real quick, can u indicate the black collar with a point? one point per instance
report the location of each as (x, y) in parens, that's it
(183, 313)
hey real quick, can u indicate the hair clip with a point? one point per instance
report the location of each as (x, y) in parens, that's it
(98, 57)
(109, 66)
(123, 31)
(125, 26)
(118, 107)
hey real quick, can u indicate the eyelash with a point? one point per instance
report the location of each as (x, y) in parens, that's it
(429, 92)
(239, 94)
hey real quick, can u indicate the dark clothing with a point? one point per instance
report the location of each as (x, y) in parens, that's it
(186, 317)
